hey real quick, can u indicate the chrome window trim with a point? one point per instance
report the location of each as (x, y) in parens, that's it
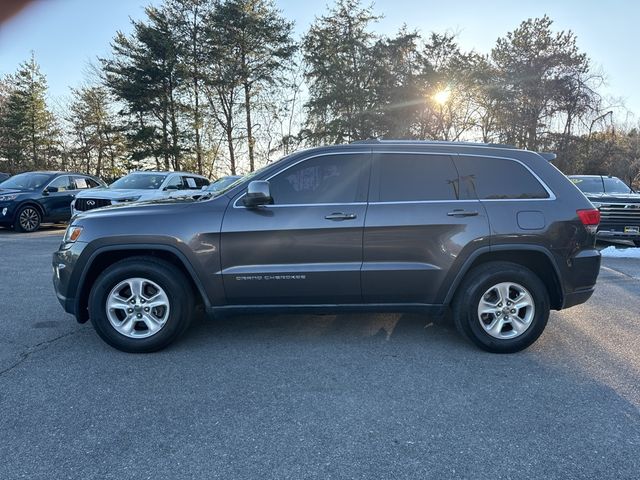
(404, 202)
(325, 154)
(550, 192)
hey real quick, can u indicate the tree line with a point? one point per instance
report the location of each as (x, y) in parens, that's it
(224, 86)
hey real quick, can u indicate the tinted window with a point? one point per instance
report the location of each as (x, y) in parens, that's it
(496, 178)
(201, 182)
(589, 184)
(325, 179)
(62, 184)
(410, 177)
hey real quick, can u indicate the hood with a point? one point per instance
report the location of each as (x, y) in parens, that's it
(115, 194)
(13, 191)
(152, 207)
(613, 197)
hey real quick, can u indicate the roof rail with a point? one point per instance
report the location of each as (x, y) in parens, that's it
(371, 141)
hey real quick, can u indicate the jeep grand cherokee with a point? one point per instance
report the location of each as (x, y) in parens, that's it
(497, 234)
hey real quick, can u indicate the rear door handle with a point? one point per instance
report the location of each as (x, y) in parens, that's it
(462, 213)
(337, 217)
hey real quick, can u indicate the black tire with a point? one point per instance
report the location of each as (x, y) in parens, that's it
(165, 275)
(480, 280)
(28, 219)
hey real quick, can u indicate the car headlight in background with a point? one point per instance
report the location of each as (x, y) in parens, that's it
(8, 198)
(128, 199)
(72, 234)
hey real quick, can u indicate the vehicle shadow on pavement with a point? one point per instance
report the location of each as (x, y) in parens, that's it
(45, 230)
(382, 327)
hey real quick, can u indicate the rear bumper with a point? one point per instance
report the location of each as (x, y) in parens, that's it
(581, 278)
(577, 297)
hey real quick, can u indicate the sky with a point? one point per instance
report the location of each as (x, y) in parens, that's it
(67, 35)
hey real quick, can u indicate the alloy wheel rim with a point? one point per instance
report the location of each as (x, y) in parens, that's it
(506, 310)
(137, 308)
(28, 219)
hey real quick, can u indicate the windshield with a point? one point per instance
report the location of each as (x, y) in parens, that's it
(601, 185)
(26, 181)
(589, 184)
(223, 183)
(139, 181)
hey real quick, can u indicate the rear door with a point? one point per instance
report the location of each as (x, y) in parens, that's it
(306, 248)
(417, 228)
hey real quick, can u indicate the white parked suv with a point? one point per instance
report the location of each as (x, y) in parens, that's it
(138, 187)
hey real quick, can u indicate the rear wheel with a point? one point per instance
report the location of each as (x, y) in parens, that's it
(141, 304)
(502, 307)
(28, 219)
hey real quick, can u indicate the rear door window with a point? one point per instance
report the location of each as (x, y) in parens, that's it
(406, 177)
(488, 178)
(83, 183)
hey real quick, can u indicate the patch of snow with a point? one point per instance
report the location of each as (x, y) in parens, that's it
(627, 252)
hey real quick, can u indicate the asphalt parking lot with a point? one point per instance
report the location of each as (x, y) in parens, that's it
(292, 397)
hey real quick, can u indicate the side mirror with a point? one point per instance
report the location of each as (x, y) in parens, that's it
(51, 189)
(258, 193)
(172, 187)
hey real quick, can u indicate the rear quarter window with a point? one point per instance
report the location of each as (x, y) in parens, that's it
(487, 178)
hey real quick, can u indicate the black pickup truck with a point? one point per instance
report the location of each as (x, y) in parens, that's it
(619, 206)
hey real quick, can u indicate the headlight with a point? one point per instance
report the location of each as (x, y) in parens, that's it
(129, 199)
(7, 198)
(72, 234)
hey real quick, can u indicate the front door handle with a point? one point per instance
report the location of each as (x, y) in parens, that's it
(341, 216)
(462, 213)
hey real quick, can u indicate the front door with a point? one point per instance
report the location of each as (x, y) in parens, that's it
(58, 197)
(305, 248)
(416, 227)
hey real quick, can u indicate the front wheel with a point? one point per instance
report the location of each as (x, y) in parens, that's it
(140, 304)
(28, 219)
(502, 307)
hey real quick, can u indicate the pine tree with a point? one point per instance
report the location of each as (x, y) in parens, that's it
(28, 129)
(339, 53)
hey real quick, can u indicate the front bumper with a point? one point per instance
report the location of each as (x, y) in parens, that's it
(64, 280)
(613, 234)
(7, 213)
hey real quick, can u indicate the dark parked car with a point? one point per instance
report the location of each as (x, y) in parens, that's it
(28, 199)
(497, 234)
(619, 206)
(3, 176)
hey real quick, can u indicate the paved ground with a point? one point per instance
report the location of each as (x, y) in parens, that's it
(349, 396)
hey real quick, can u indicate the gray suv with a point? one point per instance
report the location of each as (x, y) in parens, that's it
(497, 235)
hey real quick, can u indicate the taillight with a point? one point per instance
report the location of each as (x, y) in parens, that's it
(590, 219)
